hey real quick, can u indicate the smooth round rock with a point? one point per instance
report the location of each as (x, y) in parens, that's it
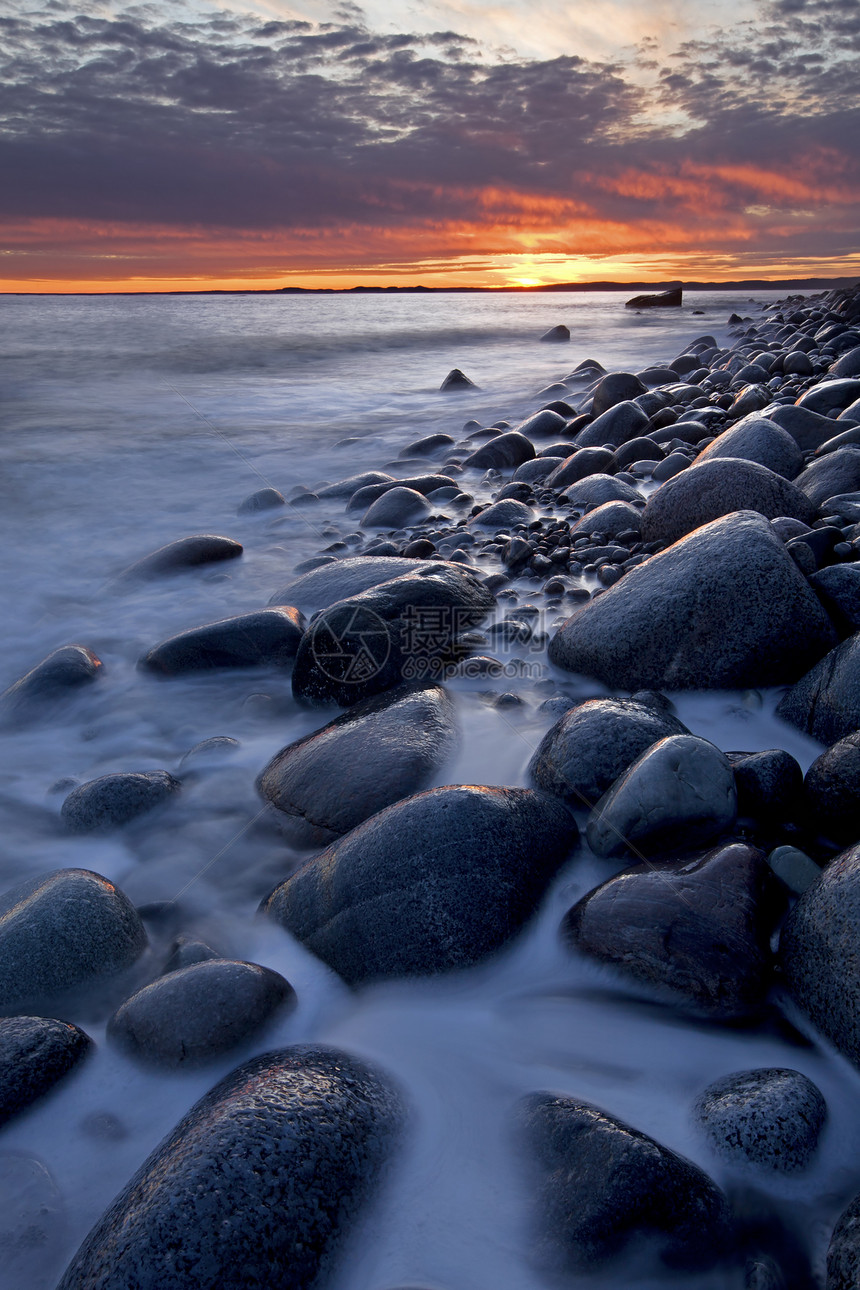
(265, 499)
(536, 469)
(395, 509)
(616, 387)
(769, 783)
(830, 476)
(257, 1184)
(830, 396)
(436, 882)
(267, 636)
(113, 800)
(66, 933)
(557, 333)
(809, 429)
(769, 1118)
(503, 515)
(843, 1254)
(348, 487)
(504, 452)
(456, 380)
(825, 703)
(696, 930)
(60, 674)
(184, 553)
(579, 465)
(758, 439)
(602, 1187)
(344, 578)
(620, 423)
(197, 1013)
(831, 791)
(35, 1054)
(597, 489)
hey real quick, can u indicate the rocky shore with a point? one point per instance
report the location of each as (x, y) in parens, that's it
(687, 527)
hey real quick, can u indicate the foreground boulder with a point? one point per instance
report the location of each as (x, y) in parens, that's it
(818, 953)
(769, 1118)
(184, 553)
(62, 673)
(843, 1254)
(199, 1012)
(725, 607)
(35, 1053)
(248, 640)
(436, 882)
(370, 757)
(826, 702)
(584, 753)
(399, 631)
(255, 1186)
(603, 1187)
(698, 930)
(64, 935)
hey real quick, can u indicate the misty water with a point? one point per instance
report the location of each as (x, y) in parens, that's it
(127, 422)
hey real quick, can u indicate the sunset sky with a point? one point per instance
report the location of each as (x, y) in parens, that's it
(261, 143)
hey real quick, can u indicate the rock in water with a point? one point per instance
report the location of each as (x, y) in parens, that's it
(248, 640)
(456, 380)
(843, 1255)
(724, 607)
(769, 1118)
(35, 1053)
(670, 299)
(184, 553)
(255, 1186)
(603, 1186)
(698, 929)
(370, 757)
(265, 499)
(436, 882)
(346, 578)
(557, 333)
(826, 702)
(64, 934)
(199, 1012)
(61, 673)
(112, 800)
(818, 953)
(395, 509)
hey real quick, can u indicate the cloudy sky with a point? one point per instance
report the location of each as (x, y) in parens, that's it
(447, 142)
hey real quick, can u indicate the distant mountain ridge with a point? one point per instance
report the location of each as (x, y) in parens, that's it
(740, 284)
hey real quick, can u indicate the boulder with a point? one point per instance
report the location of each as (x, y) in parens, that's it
(536, 469)
(502, 453)
(62, 673)
(769, 784)
(373, 755)
(597, 489)
(719, 487)
(726, 607)
(35, 1054)
(830, 396)
(769, 1118)
(831, 791)
(697, 930)
(838, 588)
(504, 514)
(428, 446)
(266, 636)
(610, 519)
(838, 472)
(64, 935)
(184, 553)
(112, 800)
(265, 499)
(670, 299)
(602, 1187)
(848, 364)
(580, 464)
(436, 882)
(758, 439)
(616, 387)
(826, 701)
(395, 632)
(557, 333)
(256, 1185)
(617, 425)
(364, 497)
(679, 792)
(809, 429)
(199, 1012)
(843, 1254)
(584, 753)
(348, 487)
(345, 578)
(395, 509)
(456, 380)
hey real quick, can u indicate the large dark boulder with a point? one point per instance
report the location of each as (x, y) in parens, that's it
(436, 882)
(35, 1054)
(62, 673)
(345, 578)
(395, 509)
(809, 429)
(838, 472)
(184, 553)
(502, 453)
(583, 754)
(831, 396)
(364, 497)
(826, 701)
(761, 440)
(725, 607)
(697, 930)
(347, 487)
(370, 757)
(617, 425)
(719, 487)
(669, 299)
(843, 1254)
(64, 935)
(583, 462)
(831, 791)
(255, 1186)
(769, 1118)
(604, 1189)
(112, 800)
(399, 631)
(248, 640)
(616, 387)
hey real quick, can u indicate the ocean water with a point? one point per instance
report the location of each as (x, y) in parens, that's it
(126, 422)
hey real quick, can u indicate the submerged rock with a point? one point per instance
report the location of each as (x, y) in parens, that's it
(697, 929)
(35, 1053)
(265, 499)
(67, 933)
(769, 1118)
(184, 553)
(602, 1187)
(377, 753)
(248, 640)
(63, 672)
(112, 800)
(256, 1185)
(557, 333)
(456, 380)
(436, 882)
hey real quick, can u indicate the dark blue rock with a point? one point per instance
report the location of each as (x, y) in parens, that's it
(838, 472)
(503, 453)
(826, 701)
(113, 800)
(345, 578)
(257, 1184)
(184, 553)
(35, 1053)
(616, 387)
(265, 499)
(769, 783)
(456, 380)
(62, 673)
(248, 640)
(769, 1118)
(711, 489)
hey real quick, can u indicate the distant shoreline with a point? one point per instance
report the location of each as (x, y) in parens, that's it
(740, 284)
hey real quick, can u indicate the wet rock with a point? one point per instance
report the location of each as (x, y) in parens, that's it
(542, 425)
(616, 387)
(345, 578)
(831, 791)
(348, 487)
(265, 499)
(818, 953)
(752, 398)
(758, 439)
(389, 634)
(617, 425)
(426, 485)
(248, 640)
(794, 868)
(503, 515)
(603, 1187)
(584, 753)
(597, 489)
(696, 929)
(843, 1254)
(112, 800)
(838, 472)
(610, 519)
(64, 934)
(829, 397)
(538, 468)
(62, 673)
(770, 1118)
(256, 1185)
(35, 1053)
(769, 784)
(456, 380)
(643, 448)
(184, 553)
(826, 701)
(809, 429)
(711, 489)
(503, 453)
(186, 951)
(197, 1013)
(436, 882)
(679, 792)
(580, 464)
(377, 753)
(395, 509)
(428, 446)
(725, 607)
(557, 333)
